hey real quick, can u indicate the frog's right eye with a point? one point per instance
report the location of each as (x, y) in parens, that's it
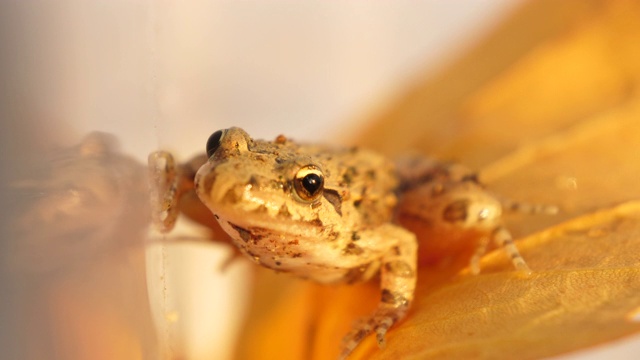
(214, 142)
(309, 183)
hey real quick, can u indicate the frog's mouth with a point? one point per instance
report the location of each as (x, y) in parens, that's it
(247, 202)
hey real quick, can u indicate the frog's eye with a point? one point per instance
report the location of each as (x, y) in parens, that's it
(214, 142)
(308, 183)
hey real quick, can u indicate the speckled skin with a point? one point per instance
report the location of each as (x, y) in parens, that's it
(343, 231)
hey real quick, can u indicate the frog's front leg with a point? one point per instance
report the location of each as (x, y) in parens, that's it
(398, 282)
(168, 184)
(164, 187)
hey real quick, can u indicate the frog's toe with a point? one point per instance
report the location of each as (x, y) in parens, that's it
(354, 338)
(379, 323)
(382, 326)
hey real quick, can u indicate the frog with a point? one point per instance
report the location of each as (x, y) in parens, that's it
(333, 215)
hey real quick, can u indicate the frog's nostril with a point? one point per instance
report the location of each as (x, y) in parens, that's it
(214, 142)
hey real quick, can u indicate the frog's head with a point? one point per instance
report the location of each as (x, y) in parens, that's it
(269, 185)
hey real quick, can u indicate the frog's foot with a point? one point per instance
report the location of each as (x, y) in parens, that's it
(164, 190)
(379, 322)
(502, 237)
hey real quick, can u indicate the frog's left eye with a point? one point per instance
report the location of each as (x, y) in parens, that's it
(214, 142)
(308, 183)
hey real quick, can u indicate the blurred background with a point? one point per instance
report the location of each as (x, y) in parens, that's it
(165, 75)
